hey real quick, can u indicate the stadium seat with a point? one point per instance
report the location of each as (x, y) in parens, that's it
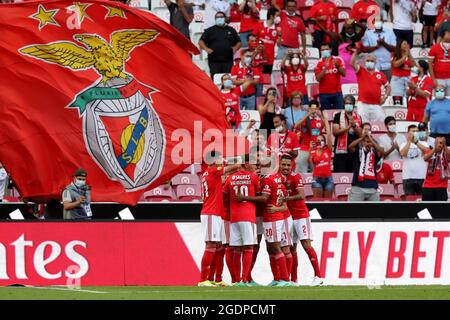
(11, 199)
(218, 78)
(417, 28)
(399, 113)
(341, 191)
(313, 90)
(400, 192)
(306, 178)
(350, 88)
(162, 13)
(304, 3)
(199, 15)
(312, 64)
(344, 14)
(305, 12)
(402, 126)
(235, 25)
(397, 165)
(413, 198)
(188, 193)
(312, 53)
(308, 192)
(387, 192)
(378, 127)
(159, 194)
(331, 113)
(344, 3)
(342, 177)
(185, 179)
(310, 78)
(419, 53)
(398, 178)
(157, 4)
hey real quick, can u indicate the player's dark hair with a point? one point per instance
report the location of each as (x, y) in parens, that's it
(285, 156)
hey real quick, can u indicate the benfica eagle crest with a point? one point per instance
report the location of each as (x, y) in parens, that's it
(122, 132)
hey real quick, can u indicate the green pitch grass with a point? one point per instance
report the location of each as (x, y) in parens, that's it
(228, 293)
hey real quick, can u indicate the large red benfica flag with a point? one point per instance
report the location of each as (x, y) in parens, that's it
(98, 85)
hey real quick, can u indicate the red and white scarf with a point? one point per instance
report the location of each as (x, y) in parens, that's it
(367, 165)
(439, 160)
(342, 140)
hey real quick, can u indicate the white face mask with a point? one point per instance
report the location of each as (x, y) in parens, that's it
(80, 183)
(279, 129)
(378, 25)
(370, 65)
(295, 61)
(277, 20)
(440, 94)
(392, 128)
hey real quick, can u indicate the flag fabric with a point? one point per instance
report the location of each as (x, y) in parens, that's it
(98, 85)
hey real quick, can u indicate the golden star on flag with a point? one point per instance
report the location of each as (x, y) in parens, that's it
(114, 12)
(45, 17)
(80, 9)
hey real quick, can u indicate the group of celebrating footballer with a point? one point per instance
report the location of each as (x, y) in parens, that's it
(239, 206)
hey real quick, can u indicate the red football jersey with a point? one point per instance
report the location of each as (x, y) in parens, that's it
(310, 130)
(232, 109)
(296, 80)
(320, 9)
(322, 163)
(425, 84)
(245, 183)
(274, 187)
(331, 81)
(439, 54)
(286, 142)
(291, 26)
(241, 72)
(212, 191)
(269, 36)
(437, 179)
(298, 208)
(369, 85)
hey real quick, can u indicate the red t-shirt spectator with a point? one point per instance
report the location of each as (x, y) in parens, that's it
(441, 66)
(310, 130)
(417, 104)
(295, 80)
(331, 81)
(249, 21)
(232, 110)
(269, 35)
(241, 72)
(363, 10)
(369, 85)
(323, 9)
(435, 180)
(322, 163)
(235, 13)
(287, 141)
(385, 174)
(404, 70)
(290, 27)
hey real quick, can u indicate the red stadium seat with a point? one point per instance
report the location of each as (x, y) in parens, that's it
(331, 113)
(387, 192)
(413, 198)
(378, 127)
(188, 192)
(313, 90)
(305, 12)
(159, 194)
(342, 190)
(400, 192)
(11, 199)
(342, 178)
(344, 13)
(397, 165)
(308, 192)
(398, 178)
(185, 179)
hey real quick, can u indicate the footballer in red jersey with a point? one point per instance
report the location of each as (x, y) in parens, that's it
(295, 200)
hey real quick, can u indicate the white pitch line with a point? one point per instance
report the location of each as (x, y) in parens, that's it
(56, 288)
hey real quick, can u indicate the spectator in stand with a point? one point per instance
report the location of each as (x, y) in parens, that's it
(391, 140)
(243, 71)
(320, 159)
(181, 15)
(381, 43)
(235, 13)
(404, 14)
(269, 33)
(402, 62)
(291, 25)
(282, 141)
(230, 95)
(429, 9)
(325, 13)
(212, 8)
(328, 73)
(346, 129)
(436, 180)
(296, 111)
(439, 60)
(259, 59)
(364, 183)
(414, 167)
(385, 174)
(220, 42)
(443, 21)
(249, 19)
(76, 198)
(364, 9)
(370, 82)
(294, 66)
(437, 113)
(310, 128)
(269, 109)
(420, 90)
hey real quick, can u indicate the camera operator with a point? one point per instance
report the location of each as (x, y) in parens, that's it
(77, 198)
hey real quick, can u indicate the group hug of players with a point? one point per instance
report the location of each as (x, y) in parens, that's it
(239, 206)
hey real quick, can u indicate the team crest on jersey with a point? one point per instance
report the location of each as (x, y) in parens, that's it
(122, 132)
(274, 33)
(378, 76)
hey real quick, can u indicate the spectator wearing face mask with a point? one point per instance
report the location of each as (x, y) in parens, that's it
(242, 72)
(249, 20)
(437, 113)
(347, 45)
(291, 25)
(436, 180)
(429, 9)
(294, 66)
(259, 59)
(269, 33)
(212, 7)
(220, 42)
(325, 13)
(414, 167)
(420, 90)
(380, 42)
(346, 129)
(402, 62)
(443, 21)
(310, 127)
(296, 111)
(282, 141)
(235, 13)
(320, 159)
(230, 95)
(370, 82)
(364, 183)
(328, 72)
(391, 141)
(269, 109)
(404, 14)
(439, 60)
(364, 9)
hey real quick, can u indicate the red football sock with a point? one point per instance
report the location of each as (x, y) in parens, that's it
(274, 268)
(281, 261)
(314, 262)
(254, 256)
(207, 260)
(237, 265)
(247, 264)
(220, 253)
(288, 264)
(294, 269)
(212, 268)
(229, 253)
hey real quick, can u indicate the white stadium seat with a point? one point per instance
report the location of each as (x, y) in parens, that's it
(199, 15)
(140, 4)
(157, 4)
(419, 53)
(310, 78)
(218, 78)
(162, 13)
(312, 53)
(398, 113)
(417, 28)
(235, 25)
